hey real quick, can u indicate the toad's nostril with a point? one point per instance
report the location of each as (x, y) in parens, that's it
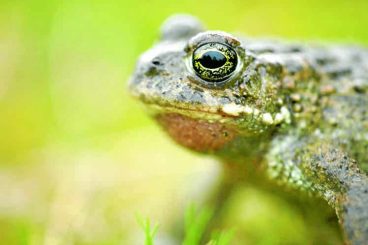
(156, 62)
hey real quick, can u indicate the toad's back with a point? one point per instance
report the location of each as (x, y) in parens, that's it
(341, 73)
(344, 67)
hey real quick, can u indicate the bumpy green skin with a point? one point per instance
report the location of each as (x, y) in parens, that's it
(300, 110)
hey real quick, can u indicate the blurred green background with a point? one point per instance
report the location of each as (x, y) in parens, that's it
(78, 157)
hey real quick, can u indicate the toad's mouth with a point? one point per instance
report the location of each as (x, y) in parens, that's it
(198, 112)
(228, 113)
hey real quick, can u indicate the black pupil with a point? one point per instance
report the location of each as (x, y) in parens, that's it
(212, 59)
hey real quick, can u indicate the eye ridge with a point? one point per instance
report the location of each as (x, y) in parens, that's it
(214, 62)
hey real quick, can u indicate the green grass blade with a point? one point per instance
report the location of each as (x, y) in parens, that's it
(195, 225)
(149, 231)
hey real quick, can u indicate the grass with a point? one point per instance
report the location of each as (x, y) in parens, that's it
(196, 222)
(149, 231)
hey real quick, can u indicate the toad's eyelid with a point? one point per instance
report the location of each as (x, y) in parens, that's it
(212, 37)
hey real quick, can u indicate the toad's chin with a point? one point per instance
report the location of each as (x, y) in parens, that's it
(196, 134)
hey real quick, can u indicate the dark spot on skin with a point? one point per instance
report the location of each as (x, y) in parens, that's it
(198, 89)
(152, 71)
(181, 97)
(322, 61)
(359, 89)
(336, 71)
(295, 49)
(197, 98)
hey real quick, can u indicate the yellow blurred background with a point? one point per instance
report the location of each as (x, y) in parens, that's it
(79, 158)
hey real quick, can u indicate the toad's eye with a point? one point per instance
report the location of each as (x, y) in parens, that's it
(214, 62)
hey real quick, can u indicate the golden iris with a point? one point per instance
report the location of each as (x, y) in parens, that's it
(214, 62)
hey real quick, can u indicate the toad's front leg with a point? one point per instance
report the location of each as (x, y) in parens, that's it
(321, 165)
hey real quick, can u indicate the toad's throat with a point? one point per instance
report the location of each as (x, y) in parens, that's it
(196, 134)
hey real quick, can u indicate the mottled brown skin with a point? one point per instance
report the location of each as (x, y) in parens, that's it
(299, 111)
